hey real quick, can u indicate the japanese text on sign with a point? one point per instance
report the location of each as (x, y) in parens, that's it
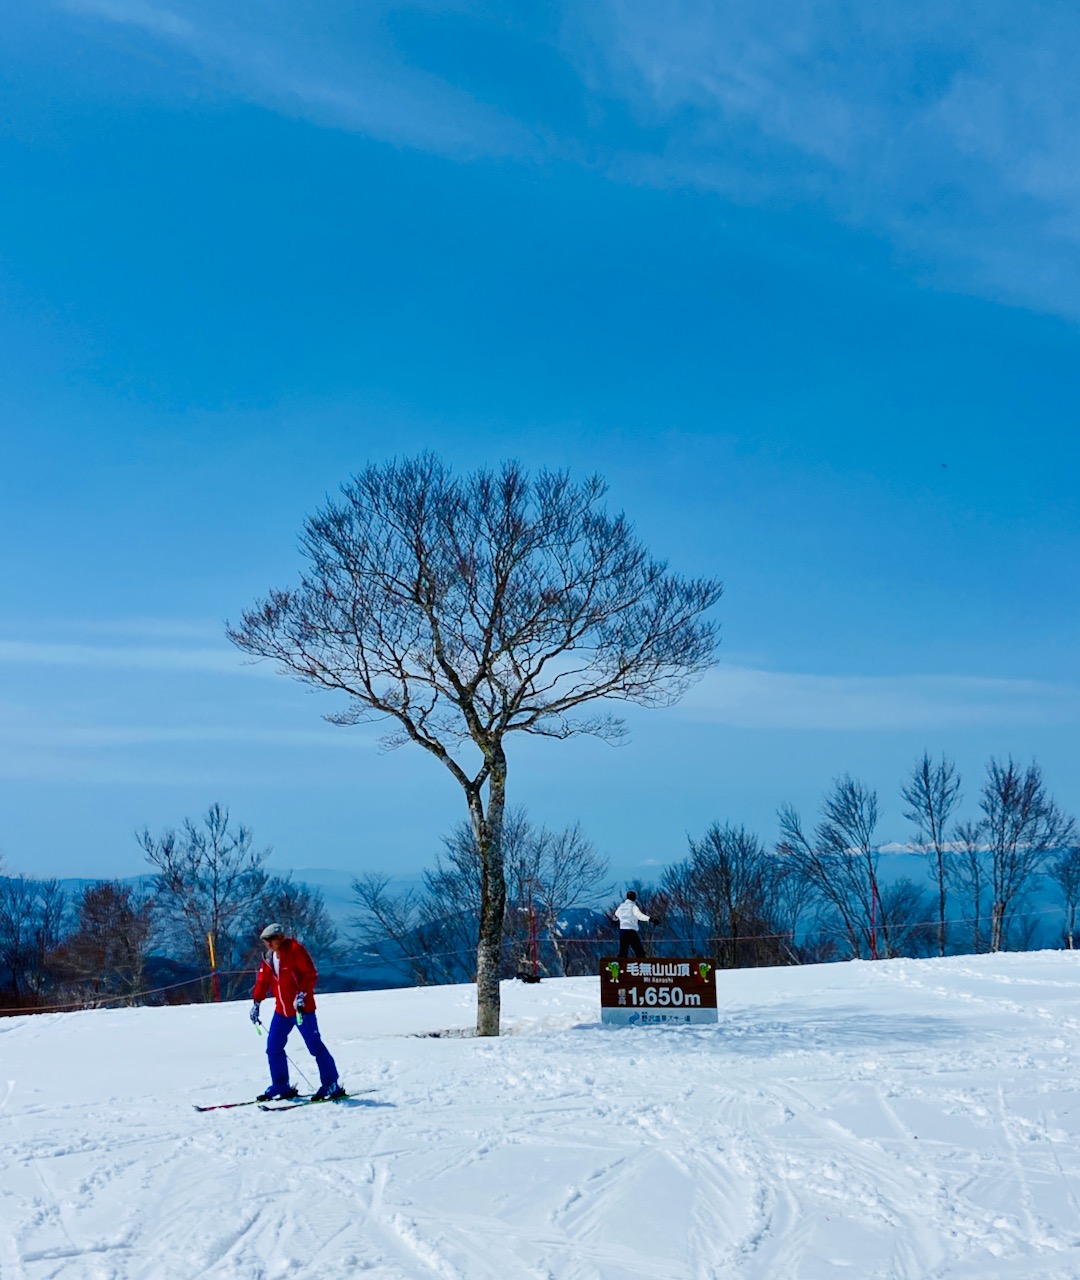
(661, 991)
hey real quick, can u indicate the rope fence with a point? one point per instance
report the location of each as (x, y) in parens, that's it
(726, 939)
(101, 1001)
(402, 957)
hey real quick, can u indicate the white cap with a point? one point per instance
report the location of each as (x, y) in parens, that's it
(273, 931)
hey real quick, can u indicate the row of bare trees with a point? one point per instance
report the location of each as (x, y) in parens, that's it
(813, 896)
(819, 893)
(983, 868)
(31, 927)
(845, 907)
(994, 861)
(191, 930)
(730, 899)
(91, 945)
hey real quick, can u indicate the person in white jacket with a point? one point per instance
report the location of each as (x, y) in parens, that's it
(629, 914)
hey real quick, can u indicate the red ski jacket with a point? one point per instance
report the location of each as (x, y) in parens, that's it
(296, 973)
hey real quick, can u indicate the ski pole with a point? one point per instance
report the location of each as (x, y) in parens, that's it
(259, 1028)
(300, 1074)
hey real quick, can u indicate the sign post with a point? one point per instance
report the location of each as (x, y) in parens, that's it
(657, 992)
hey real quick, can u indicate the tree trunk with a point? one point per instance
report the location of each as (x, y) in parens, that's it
(976, 906)
(553, 939)
(996, 926)
(877, 916)
(487, 828)
(941, 900)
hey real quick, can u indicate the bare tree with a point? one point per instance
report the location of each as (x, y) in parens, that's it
(31, 927)
(840, 863)
(1023, 826)
(465, 610)
(398, 928)
(18, 911)
(794, 897)
(932, 793)
(812, 865)
(1066, 873)
(432, 933)
(969, 871)
(909, 911)
(736, 882)
(684, 911)
(455, 886)
(208, 880)
(556, 872)
(105, 954)
(52, 917)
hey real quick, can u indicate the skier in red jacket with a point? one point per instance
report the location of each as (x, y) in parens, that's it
(288, 974)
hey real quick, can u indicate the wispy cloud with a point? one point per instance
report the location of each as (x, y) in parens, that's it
(103, 737)
(136, 627)
(749, 698)
(136, 13)
(736, 694)
(96, 768)
(128, 657)
(948, 130)
(41, 745)
(335, 65)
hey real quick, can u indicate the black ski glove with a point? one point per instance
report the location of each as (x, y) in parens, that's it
(299, 1002)
(254, 1014)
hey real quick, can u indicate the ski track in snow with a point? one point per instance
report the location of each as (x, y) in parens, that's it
(904, 1120)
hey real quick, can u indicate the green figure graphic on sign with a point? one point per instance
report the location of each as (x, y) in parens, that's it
(613, 969)
(703, 969)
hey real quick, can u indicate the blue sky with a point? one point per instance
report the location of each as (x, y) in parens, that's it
(802, 282)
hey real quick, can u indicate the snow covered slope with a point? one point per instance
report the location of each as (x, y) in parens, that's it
(911, 1119)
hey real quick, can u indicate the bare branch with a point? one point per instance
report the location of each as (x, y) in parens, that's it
(462, 610)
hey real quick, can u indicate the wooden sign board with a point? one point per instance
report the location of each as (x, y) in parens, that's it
(657, 992)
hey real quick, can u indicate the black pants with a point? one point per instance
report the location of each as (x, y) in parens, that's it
(630, 942)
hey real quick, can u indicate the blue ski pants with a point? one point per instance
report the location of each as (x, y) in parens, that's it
(280, 1027)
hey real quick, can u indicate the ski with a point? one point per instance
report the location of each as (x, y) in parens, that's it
(302, 1101)
(308, 1102)
(225, 1106)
